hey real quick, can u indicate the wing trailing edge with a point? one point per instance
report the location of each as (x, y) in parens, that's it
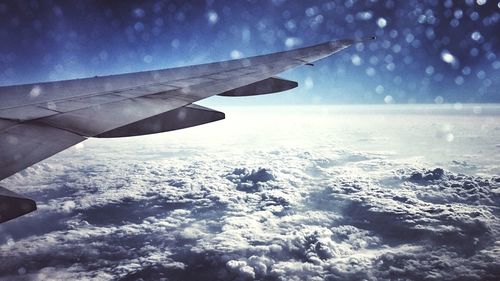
(180, 118)
(266, 86)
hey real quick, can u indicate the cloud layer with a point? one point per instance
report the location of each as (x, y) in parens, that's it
(297, 210)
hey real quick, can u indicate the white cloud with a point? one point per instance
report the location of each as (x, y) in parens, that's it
(321, 195)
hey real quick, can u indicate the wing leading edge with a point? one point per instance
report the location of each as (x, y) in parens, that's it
(40, 120)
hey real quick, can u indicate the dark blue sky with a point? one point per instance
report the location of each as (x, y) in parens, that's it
(427, 51)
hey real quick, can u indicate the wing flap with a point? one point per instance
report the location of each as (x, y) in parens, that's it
(266, 86)
(180, 118)
(95, 120)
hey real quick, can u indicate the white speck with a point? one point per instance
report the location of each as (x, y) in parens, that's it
(317, 20)
(139, 13)
(466, 70)
(439, 100)
(476, 35)
(213, 17)
(421, 19)
(459, 80)
(454, 23)
(481, 74)
(366, 15)
(429, 33)
(429, 70)
(474, 16)
(35, 92)
(312, 11)
(396, 48)
(148, 59)
(291, 25)
(21, 271)
(380, 89)
(51, 105)
(291, 42)
(409, 37)
(139, 26)
(450, 137)
(447, 57)
(80, 146)
(235, 54)
(458, 106)
(481, 2)
(431, 19)
(309, 83)
(370, 71)
(381, 22)
(175, 43)
(388, 99)
(356, 60)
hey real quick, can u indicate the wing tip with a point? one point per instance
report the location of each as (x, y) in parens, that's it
(365, 39)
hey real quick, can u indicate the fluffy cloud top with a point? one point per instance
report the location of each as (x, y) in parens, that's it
(303, 210)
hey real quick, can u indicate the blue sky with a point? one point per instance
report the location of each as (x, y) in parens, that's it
(426, 52)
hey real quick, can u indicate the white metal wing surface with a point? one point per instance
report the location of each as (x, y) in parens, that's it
(39, 120)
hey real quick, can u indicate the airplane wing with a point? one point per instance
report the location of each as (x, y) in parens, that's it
(42, 119)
